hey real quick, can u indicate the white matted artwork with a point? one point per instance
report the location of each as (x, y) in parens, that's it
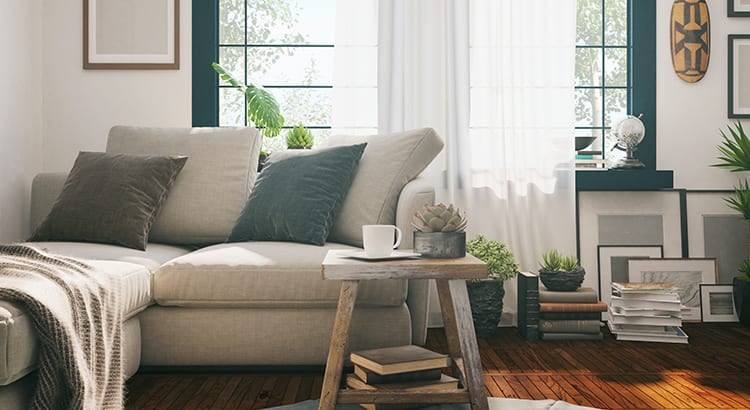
(626, 218)
(686, 273)
(133, 34)
(738, 8)
(612, 264)
(717, 303)
(739, 76)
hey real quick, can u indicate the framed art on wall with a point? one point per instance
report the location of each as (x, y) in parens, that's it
(738, 8)
(739, 75)
(612, 264)
(717, 303)
(686, 273)
(135, 34)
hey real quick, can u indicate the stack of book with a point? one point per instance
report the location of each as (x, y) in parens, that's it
(528, 305)
(646, 312)
(574, 315)
(405, 368)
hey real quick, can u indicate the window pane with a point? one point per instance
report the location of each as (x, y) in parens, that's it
(306, 106)
(588, 107)
(616, 105)
(290, 22)
(231, 107)
(232, 59)
(588, 67)
(616, 27)
(589, 22)
(231, 21)
(616, 67)
(291, 65)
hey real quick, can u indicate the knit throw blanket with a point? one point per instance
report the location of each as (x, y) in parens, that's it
(78, 316)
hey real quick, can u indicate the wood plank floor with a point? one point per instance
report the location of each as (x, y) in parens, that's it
(712, 372)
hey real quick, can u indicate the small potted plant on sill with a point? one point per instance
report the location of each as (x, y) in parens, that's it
(439, 232)
(486, 295)
(735, 156)
(560, 273)
(299, 137)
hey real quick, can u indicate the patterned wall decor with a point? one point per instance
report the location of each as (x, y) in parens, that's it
(690, 36)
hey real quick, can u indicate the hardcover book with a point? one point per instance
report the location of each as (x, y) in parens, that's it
(399, 359)
(620, 319)
(580, 295)
(661, 334)
(573, 307)
(370, 377)
(528, 305)
(625, 303)
(445, 382)
(572, 336)
(570, 315)
(569, 326)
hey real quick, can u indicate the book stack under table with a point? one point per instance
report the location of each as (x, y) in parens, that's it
(646, 312)
(570, 315)
(403, 368)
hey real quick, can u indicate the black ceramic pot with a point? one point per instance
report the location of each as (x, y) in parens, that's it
(486, 301)
(562, 280)
(741, 289)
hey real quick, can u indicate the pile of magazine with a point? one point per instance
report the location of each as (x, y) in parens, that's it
(646, 312)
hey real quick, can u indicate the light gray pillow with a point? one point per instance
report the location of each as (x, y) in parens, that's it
(389, 162)
(110, 198)
(211, 191)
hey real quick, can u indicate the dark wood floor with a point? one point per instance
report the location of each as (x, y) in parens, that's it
(711, 372)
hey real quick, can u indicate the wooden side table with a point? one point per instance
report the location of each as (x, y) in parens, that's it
(450, 275)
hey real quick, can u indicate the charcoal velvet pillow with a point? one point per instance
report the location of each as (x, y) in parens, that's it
(298, 195)
(110, 198)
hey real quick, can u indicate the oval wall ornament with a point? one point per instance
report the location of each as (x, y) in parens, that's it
(690, 36)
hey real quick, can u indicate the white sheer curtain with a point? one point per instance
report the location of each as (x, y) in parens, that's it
(495, 78)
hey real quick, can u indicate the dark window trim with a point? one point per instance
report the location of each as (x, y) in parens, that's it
(205, 101)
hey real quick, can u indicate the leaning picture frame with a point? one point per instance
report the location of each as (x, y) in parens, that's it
(739, 76)
(686, 273)
(135, 35)
(717, 303)
(738, 8)
(612, 264)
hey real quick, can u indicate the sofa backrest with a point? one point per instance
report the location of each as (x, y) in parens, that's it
(212, 188)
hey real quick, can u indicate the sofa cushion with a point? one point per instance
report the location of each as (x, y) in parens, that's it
(110, 198)
(388, 163)
(19, 341)
(155, 255)
(298, 195)
(212, 188)
(262, 274)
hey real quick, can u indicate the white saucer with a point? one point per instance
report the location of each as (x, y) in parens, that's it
(394, 255)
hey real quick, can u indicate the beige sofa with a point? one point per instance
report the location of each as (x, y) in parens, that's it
(192, 300)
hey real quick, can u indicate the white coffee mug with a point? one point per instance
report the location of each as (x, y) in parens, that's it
(378, 240)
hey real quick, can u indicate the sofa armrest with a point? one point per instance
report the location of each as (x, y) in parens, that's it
(45, 188)
(414, 195)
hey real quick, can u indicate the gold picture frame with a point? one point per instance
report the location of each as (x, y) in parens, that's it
(131, 35)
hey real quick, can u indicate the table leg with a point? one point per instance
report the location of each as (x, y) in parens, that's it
(337, 348)
(459, 331)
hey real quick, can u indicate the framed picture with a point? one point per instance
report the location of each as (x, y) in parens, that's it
(738, 8)
(686, 273)
(717, 304)
(739, 75)
(134, 34)
(612, 264)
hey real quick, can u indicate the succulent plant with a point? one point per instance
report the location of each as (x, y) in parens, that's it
(438, 218)
(553, 261)
(499, 259)
(299, 137)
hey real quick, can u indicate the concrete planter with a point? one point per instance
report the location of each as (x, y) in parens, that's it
(486, 301)
(562, 280)
(440, 244)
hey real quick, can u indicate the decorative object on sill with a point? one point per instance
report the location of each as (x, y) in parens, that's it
(738, 8)
(739, 76)
(486, 295)
(299, 137)
(735, 156)
(439, 232)
(583, 142)
(629, 133)
(560, 273)
(690, 39)
(141, 35)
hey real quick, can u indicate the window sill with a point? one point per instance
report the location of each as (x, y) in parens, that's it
(624, 180)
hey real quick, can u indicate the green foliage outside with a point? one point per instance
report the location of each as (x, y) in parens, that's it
(299, 137)
(554, 261)
(735, 156)
(501, 264)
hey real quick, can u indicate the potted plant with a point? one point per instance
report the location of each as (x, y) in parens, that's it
(299, 137)
(439, 232)
(560, 273)
(735, 156)
(486, 295)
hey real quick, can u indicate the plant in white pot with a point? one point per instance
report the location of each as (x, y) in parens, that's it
(486, 295)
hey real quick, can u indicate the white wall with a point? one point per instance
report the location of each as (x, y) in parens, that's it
(689, 116)
(20, 111)
(81, 105)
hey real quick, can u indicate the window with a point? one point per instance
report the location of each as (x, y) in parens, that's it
(286, 46)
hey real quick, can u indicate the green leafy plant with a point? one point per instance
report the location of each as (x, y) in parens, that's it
(501, 264)
(262, 108)
(299, 137)
(554, 261)
(735, 156)
(439, 218)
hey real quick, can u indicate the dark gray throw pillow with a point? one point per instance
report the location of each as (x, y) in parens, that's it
(110, 198)
(298, 195)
